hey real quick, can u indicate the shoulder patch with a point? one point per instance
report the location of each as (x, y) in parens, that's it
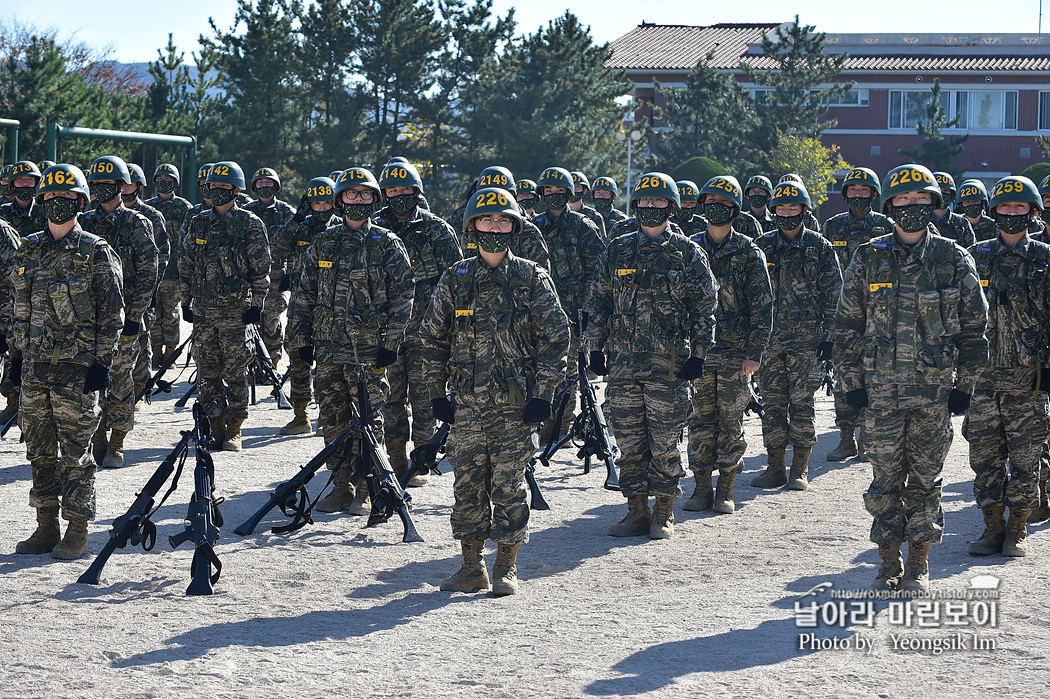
(463, 270)
(377, 236)
(984, 248)
(880, 244)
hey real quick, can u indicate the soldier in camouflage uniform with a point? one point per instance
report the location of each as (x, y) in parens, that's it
(1042, 513)
(687, 218)
(130, 234)
(1008, 421)
(290, 244)
(275, 215)
(809, 220)
(525, 194)
(651, 309)
(66, 319)
(973, 204)
(223, 278)
(7, 195)
(166, 334)
(758, 190)
(909, 344)
(352, 305)
(496, 338)
(432, 248)
(847, 232)
(604, 192)
(22, 212)
(581, 185)
(806, 280)
(528, 242)
(948, 223)
(744, 323)
(9, 242)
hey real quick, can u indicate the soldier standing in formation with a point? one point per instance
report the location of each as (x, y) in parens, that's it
(9, 242)
(946, 222)
(496, 337)
(758, 190)
(687, 218)
(909, 345)
(275, 215)
(166, 335)
(22, 211)
(604, 192)
(973, 205)
(528, 241)
(581, 185)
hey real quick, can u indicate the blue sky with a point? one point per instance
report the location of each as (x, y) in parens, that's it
(136, 30)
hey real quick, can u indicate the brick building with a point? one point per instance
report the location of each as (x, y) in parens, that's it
(999, 85)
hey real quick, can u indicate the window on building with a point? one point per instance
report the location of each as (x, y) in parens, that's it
(1044, 111)
(977, 110)
(908, 107)
(853, 98)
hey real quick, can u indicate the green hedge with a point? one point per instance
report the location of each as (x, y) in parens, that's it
(1037, 172)
(699, 170)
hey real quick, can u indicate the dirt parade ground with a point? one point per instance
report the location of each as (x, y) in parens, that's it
(752, 604)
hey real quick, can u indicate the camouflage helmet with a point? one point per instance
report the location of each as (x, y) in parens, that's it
(109, 167)
(1044, 185)
(397, 159)
(499, 177)
(525, 187)
(23, 168)
(862, 176)
(492, 200)
(578, 178)
(555, 177)
(5, 170)
(909, 178)
(63, 177)
(203, 170)
(1015, 188)
(789, 193)
(320, 189)
(606, 184)
(945, 181)
(761, 182)
(687, 190)
(972, 190)
(45, 164)
(656, 184)
(354, 177)
(138, 176)
(226, 172)
(169, 170)
(400, 174)
(334, 175)
(727, 186)
(790, 177)
(266, 173)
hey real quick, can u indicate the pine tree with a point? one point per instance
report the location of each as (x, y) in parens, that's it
(936, 151)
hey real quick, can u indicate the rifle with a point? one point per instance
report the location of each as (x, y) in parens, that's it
(754, 403)
(425, 458)
(203, 519)
(262, 362)
(292, 496)
(181, 402)
(155, 381)
(829, 379)
(136, 525)
(598, 439)
(12, 421)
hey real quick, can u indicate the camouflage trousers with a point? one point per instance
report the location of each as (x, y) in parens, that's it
(649, 418)
(168, 331)
(408, 395)
(716, 429)
(144, 363)
(7, 386)
(907, 447)
(271, 330)
(846, 416)
(119, 406)
(222, 351)
(300, 376)
(789, 378)
(1006, 427)
(336, 391)
(489, 447)
(58, 420)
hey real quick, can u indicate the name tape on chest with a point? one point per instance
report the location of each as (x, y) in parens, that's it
(872, 288)
(327, 264)
(461, 313)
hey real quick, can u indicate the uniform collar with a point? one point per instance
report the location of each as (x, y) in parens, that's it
(782, 242)
(1022, 247)
(659, 241)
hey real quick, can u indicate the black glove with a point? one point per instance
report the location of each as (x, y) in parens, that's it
(16, 371)
(824, 351)
(3, 345)
(596, 363)
(286, 283)
(301, 212)
(692, 369)
(385, 357)
(1042, 380)
(536, 410)
(306, 354)
(97, 378)
(131, 328)
(857, 398)
(187, 314)
(584, 318)
(959, 402)
(443, 410)
(252, 316)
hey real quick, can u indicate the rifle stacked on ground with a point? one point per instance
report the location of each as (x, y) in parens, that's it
(262, 366)
(11, 422)
(754, 403)
(426, 457)
(155, 384)
(829, 379)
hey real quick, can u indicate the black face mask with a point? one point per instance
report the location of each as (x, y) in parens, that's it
(603, 204)
(356, 212)
(718, 214)
(24, 194)
(1045, 215)
(527, 203)
(556, 202)
(789, 223)
(165, 186)
(203, 192)
(1011, 223)
(220, 196)
(265, 192)
(860, 203)
(758, 201)
(914, 217)
(576, 197)
(493, 242)
(129, 199)
(973, 210)
(60, 210)
(946, 199)
(651, 216)
(322, 216)
(403, 204)
(104, 192)
(5, 190)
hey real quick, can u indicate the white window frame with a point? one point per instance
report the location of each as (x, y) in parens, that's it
(950, 99)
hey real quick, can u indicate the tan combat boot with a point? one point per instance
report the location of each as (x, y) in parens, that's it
(10, 410)
(799, 469)
(471, 576)
(1015, 544)
(636, 523)
(74, 543)
(1041, 513)
(233, 436)
(724, 504)
(47, 534)
(917, 567)
(99, 445)
(661, 526)
(891, 567)
(362, 504)
(703, 496)
(775, 476)
(115, 450)
(218, 431)
(847, 447)
(300, 423)
(861, 455)
(505, 570)
(991, 540)
(342, 494)
(397, 453)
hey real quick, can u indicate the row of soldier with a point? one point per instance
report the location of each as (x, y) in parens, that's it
(642, 299)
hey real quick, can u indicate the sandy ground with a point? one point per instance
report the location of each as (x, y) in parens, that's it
(339, 609)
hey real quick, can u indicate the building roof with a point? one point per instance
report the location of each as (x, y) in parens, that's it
(680, 47)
